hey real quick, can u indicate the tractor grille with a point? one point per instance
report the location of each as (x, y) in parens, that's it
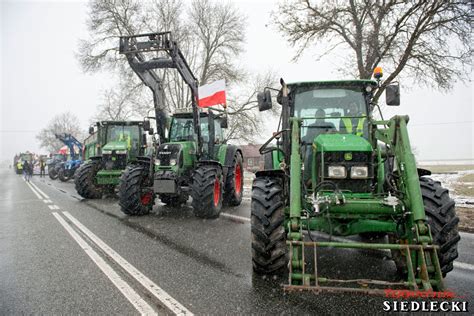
(166, 152)
(114, 161)
(358, 159)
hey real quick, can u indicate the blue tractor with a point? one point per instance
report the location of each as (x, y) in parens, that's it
(66, 169)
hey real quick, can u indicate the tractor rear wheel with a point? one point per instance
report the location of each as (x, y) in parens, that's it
(441, 216)
(206, 191)
(269, 251)
(234, 182)
(85, 181)
(135, 198)
(174, 200)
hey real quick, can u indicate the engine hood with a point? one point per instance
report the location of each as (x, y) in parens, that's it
(341, 142)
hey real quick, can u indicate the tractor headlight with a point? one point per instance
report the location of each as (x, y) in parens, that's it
(157, 162)
(121, 152)
(173, 162)
(359, 172)
(107, 152)
(337, 172)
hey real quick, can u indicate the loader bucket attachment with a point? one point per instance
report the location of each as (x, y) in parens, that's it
(424, 272)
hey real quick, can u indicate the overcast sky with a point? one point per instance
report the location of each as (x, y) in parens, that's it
(40, 77)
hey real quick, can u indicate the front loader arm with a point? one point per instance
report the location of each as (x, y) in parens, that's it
(133, 46)
(396, 137)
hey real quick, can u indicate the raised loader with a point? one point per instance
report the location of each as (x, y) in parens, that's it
(111, 146)
(337, 170)
(65, 170)
(192, 159)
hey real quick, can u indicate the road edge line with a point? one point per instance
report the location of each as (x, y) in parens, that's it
(169, 302)
(40, 191)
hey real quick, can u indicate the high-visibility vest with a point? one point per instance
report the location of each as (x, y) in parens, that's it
(360, 125)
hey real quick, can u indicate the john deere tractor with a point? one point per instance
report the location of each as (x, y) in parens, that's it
(335, 169)
(111, 146)
(192, 158)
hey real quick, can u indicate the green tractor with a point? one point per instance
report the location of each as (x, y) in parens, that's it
(337, 170)
(108, 150)
(192, 158)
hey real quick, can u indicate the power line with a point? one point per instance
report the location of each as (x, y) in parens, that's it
(441, 123)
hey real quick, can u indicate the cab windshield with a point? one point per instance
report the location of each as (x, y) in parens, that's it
(333, 110)
(182, 129)
(128, 134)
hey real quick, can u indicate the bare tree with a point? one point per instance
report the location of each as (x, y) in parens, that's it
(62, 123)
(428, 41)
(210, 34)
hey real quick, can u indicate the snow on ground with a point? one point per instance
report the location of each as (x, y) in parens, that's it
(450, 181)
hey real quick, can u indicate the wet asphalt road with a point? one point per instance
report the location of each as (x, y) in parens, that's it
(205, 265)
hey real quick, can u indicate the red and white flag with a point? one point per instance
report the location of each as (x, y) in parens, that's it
(212, 94)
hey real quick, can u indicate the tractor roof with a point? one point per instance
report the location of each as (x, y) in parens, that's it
(127, 123)
(334, 83)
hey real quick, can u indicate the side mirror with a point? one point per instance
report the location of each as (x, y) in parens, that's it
(392, 95)
(91, 130)
(224, 122)
(146, 125)
(151, 131)
(264, 100)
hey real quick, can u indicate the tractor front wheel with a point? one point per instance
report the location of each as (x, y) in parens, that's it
(64, 175)
(442, 219)
(53, 175)
(234, 182)
(206, 191)
(269, 251)
(85, 181)
(135, 197)
(441, 216)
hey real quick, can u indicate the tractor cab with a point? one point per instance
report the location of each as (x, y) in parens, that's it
(111, 146)
(335, 132)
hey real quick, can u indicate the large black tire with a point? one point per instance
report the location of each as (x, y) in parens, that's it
(53, 175)
(85, 181)
(441, 216)
(64, 175)
(206, 191)
(269, 251)
(174, 200)
(234, 182)
(135, 197)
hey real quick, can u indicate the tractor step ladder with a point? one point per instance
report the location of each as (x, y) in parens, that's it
(310, 280)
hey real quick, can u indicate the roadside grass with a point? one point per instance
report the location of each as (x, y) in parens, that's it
(465, 185)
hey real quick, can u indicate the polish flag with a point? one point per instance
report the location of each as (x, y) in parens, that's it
(212, 94)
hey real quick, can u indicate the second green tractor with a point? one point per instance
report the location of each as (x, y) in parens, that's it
(191, 158)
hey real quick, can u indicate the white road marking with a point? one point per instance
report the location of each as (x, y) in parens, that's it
(240, 219)
(53, 207)
(34, 191)
(47, 201)
(173, 305)
(463, 265)
(39, 190)
(142, 306)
